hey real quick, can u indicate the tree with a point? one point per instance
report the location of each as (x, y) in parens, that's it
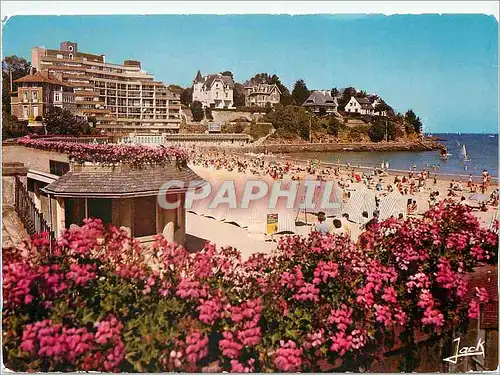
(300, 92)
(322, 111)
(412, 122)
(197, 111)
(291, 120)
(12, 127)
(334, 92)
(228, 73)
(176, 89)
(187, 96)
(346, 96)
(17, 67)
(334, 126)
(239, 95)
(361, 94)
(208, 113)
(382, 128)
(61, 121)
(286, 98)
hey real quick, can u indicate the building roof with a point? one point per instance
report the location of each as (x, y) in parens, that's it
(320, 98)
(198, 77)
(227, 80)
(40, 78)
(118, 182)
(364, 102)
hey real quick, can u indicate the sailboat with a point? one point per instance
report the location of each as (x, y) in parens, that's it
(464, 153)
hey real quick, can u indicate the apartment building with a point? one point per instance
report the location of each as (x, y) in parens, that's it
(213, 90)
(122, 98)
(36, 92)
(259, 95)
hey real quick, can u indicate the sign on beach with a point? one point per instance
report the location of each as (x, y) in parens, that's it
(272, 223)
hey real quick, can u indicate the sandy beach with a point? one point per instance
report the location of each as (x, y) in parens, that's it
(227, 227)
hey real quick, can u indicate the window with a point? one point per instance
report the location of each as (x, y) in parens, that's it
(35, 111)
(25, 111)
(58, 168)
(70, 48)
(70, 56)
(35, 96)
(57, 97)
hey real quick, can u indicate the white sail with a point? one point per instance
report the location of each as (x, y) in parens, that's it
(464, 152)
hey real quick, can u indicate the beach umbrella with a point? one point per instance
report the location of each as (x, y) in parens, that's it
(479, 197)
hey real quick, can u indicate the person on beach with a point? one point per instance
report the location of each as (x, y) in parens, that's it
(321, 226)
(373, 222)
(337, 227)
(346, 224)
(411, 208)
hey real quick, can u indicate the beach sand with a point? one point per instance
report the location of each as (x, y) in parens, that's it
(200, 228)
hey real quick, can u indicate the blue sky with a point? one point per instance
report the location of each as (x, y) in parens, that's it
(444, 67)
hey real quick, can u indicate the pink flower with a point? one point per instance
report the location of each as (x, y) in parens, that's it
(288, 357)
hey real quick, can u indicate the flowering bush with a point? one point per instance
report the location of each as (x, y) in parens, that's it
(109, 154)
(98, 301)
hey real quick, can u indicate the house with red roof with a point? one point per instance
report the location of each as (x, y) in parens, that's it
(36, 92)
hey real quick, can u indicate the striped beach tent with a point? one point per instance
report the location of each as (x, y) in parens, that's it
(495, 217)
(354, 205)
(286, 221)
(392, 204)
(369, 204)
(238, 216)
(336, 197)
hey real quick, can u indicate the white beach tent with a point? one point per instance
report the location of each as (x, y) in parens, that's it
(392, 204)
(361, 200)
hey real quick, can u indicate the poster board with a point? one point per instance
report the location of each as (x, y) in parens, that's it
(272, 224)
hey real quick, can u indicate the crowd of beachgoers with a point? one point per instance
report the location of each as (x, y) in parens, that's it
(379, 179)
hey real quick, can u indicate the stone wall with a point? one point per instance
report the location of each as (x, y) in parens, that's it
(283, 148)
(32, 158)
(223, 117)
(9, 172)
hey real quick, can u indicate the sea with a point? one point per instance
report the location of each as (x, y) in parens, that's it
(482, 151)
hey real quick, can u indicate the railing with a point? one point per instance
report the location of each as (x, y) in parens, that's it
(27, 212)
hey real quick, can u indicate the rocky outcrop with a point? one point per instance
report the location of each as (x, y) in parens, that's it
(282, 148)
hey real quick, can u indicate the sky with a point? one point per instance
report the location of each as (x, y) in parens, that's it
(444, 67)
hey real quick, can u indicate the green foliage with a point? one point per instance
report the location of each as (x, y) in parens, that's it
(176, 89)
(12, 127)
(412, 122)
(346, 96)
(300, 92)
(381, 129)
(227, 73)
(15, 67)
(238, 95)
(334, 126)
(187, 96)
(62, 121)
(291, 120)
(197, 111)
(259, 130)
(208, 113)
(286, 98)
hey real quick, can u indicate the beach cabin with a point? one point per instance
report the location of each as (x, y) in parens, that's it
(65, 192)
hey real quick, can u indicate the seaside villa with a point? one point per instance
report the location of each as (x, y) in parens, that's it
(364, 106)
(59, 183)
